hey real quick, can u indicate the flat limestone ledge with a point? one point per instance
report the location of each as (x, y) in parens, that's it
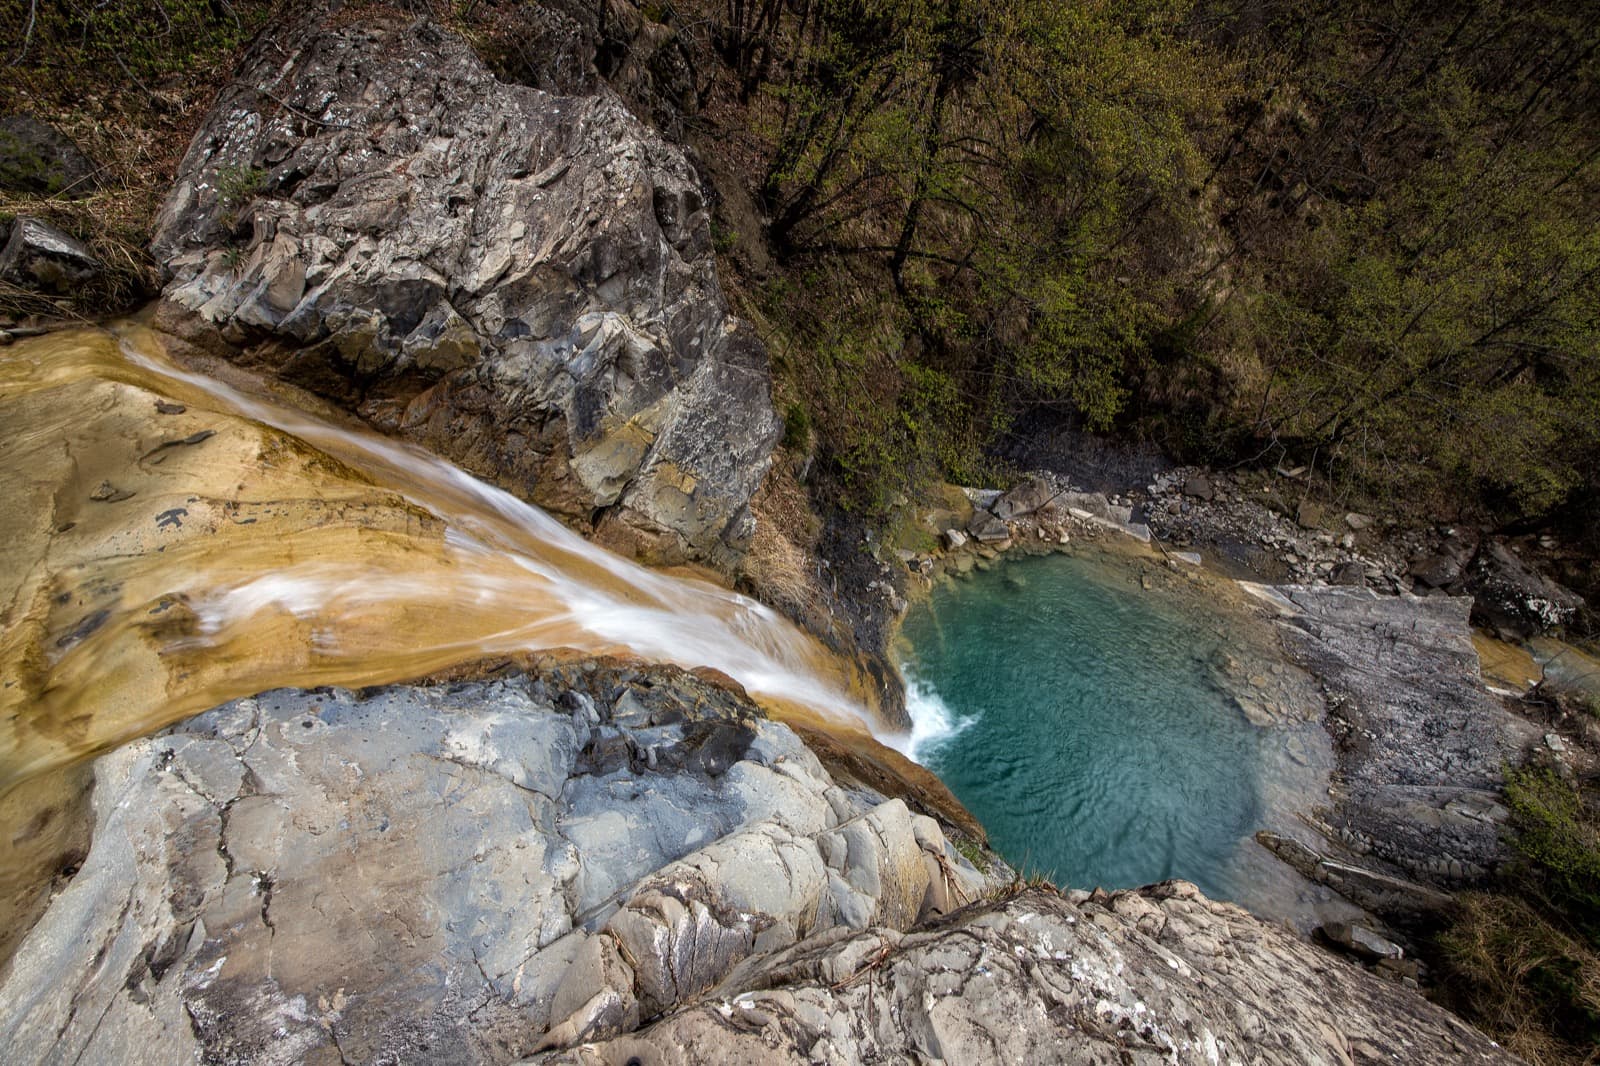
(1421, 741)
(1159, 975)
(458, 872)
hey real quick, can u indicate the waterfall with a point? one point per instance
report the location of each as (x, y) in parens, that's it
(357, 560)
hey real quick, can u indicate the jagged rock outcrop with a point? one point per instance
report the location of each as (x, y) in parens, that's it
(1421, 742)
(451, 873)
(1512, 599)
(522, 281)
(1157, 975)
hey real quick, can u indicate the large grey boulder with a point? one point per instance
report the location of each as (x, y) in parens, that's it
(1513, 599)
(1160, 975)
(522, 281)
(450, 873)
(1026, 498)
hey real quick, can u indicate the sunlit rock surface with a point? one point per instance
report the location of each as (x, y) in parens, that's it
(1159, 975)
(457, 872)
(522, 281)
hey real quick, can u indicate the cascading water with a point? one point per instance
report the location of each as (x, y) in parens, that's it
(180, 543)
(172, 542)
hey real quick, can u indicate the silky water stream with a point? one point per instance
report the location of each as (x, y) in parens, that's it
(170, 542)
(1112, 730)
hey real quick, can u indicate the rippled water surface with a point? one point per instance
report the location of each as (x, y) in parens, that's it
(1092, 726)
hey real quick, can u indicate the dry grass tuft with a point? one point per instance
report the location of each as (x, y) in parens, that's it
(1526, 982)
(779, 566)
(129, 84)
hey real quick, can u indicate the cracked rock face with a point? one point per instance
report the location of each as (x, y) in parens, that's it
(1421, 742)
(1161, 975)
(458, 873)
(594, 863)
(522, 281)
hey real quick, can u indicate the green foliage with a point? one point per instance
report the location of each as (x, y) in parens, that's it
(971, 852)
(144, 39)
(1081, 336)
(237, 185)
(796, 428)
(883, 424)
(994, 157)
(1558, 833)
(1415, 247)
(1361, 235)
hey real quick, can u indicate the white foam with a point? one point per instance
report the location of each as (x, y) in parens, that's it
(933, 723)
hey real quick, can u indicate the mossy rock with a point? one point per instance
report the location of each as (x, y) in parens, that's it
(38, 160)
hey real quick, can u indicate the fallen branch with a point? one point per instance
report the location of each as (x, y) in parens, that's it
(878, 959)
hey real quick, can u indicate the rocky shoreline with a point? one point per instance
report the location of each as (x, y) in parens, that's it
(543, 861)
(539, 858)
(1413, 812)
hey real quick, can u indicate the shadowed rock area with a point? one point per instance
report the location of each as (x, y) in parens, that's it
(1421, 742)
(522, 281)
